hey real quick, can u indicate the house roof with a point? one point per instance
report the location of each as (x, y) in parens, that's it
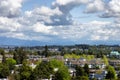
(114, 53)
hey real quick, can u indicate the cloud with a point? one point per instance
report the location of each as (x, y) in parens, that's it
(10, 8)
(95, 6)
(66, 2)
(41, 28)
(105, 31)
(16, 35)
(117, 20)
(112, 9)
(94, 30)
(8, 25)
(42, 14)
(65, 6)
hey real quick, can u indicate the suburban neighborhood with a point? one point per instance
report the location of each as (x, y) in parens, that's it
(59, 39)
(74, 58)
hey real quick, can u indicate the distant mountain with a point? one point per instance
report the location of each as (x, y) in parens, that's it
(17, 42)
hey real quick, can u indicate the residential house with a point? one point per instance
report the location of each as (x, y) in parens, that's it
(115, 54)
(100, 76)
(92, 64)
(115, 63)
(8, 56)
(96, 63)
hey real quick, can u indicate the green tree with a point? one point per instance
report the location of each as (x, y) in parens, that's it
(105, 59)
(20, 55)
(86, 69)
(46, 52)
(62, 74)
(79, 71)
(15, 56)
(42, 71)
(2, 52)
(11, 63)
(56, 63)
(16, 74)
(63, 51)
(3, 58)
(25, 71)
(111, 73)
(4, 71)
(82, 74)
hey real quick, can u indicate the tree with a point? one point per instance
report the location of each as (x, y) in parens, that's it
(16, 74)
(4, 71)
(15, 56)
(3, 58)
(25, 71)
(3, 54)
(86, 69)
(63, 51)
(11, 63)
(82, 73)
(42, 71)
(111, 73)
(20, 55)
(105, 59)
(56, 63)
(79, 71)
(62, 74)
(1, 51)
(46, 51)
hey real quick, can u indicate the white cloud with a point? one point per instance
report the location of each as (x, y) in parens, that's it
(44, 23)
(112, 9)
(10, 8)
(47, 11)
(42, 14)
(16, 35)
(94, 30)
(95, 6)
(8, 25)
(41, 28)
(65, 6)
(99, 22)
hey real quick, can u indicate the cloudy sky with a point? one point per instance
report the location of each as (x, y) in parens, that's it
(39, 22)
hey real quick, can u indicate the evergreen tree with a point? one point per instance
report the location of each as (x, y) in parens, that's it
(46, 52)
(79, 71)
(86, 69)
(20, 55)
(111, 73)
(42, 71)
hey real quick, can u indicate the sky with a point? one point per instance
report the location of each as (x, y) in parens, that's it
(59, 22)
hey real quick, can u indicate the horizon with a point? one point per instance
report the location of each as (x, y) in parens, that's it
(58, 22)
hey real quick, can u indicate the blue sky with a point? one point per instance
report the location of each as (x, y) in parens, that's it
(54, 22)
